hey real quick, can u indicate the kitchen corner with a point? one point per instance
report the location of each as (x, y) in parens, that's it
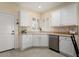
(51, 39)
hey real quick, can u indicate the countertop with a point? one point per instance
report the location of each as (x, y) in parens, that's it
(46, 32)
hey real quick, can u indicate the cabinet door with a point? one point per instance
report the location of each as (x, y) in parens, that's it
(66, 46)
(56, 17)
(24, 18)
(43, 25)
(35, 40)
(29, 40)
(69, 15)
(26, 42)
(44, 41)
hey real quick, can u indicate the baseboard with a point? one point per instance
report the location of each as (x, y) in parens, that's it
(32, 47)
(7, 50)
(40, 47)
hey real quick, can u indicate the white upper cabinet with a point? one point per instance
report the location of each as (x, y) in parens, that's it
(69, 15)
(45, 22)
(24, 18)
(35, 24)
(56, 18)
(65, 16)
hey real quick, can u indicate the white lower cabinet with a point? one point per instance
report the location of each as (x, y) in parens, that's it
(34, 41)
(26, 41)
(44, 41)
(66, 46)
(40, 40)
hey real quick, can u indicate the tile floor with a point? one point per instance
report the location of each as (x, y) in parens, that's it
(31, 52)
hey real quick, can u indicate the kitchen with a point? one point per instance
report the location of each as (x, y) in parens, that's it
(48, 25)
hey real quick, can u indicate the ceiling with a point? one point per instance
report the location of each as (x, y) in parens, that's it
(39, 6)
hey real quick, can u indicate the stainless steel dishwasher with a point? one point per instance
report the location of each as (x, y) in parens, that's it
(54, 42)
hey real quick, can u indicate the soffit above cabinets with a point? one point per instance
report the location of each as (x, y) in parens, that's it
(39, 6)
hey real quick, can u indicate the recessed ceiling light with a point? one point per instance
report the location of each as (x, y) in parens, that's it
(39, 6)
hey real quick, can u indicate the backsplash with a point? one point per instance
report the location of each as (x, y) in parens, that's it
(24, 29)
(65, 29)
(59, 29)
